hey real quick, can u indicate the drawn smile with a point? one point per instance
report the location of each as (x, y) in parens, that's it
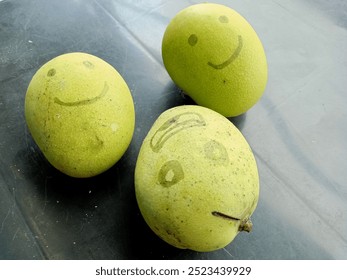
(234, 55)
(84, 101)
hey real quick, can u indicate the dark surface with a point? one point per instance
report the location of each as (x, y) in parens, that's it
(297, 131)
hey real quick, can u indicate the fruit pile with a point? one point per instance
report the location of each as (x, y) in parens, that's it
(196, 178)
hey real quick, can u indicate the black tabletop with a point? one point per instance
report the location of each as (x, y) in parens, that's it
(297, 131)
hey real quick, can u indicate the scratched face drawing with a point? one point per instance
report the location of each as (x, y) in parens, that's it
(172, 171)
(81, 101)
(194, 41)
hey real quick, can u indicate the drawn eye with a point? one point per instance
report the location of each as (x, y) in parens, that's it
(192, 40)
(216, 151)
(51, 72)
(88, 64)
(170, 173)
(223, 19)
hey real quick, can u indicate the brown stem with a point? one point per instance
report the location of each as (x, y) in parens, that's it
(246, 225)
(222, 215)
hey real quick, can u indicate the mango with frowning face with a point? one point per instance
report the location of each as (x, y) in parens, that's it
(80, 112)
(196, 179)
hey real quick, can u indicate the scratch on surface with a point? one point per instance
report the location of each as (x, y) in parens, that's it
(125, 64)
(82, 226)
(66, 215)
(15, 234)
(4, 220)
(44, 201)
(125, 27)
(225, 250)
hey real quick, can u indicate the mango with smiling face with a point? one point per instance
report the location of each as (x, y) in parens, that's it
(196, 179)
(80, 112)
(214, 55)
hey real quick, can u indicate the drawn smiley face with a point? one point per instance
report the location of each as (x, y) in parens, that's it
(81, 101)
(212, 153)
(193, 40)
(172, 172)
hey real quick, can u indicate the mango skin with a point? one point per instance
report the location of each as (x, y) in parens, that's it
(193, 164)
(80, 112)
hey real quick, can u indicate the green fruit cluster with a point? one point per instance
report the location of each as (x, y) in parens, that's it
(196, 178)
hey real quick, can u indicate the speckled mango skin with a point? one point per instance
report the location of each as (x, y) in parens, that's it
(193, 164)
(214, 55)
(80, 112)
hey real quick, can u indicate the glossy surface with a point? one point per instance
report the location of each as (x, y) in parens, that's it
(297, 131)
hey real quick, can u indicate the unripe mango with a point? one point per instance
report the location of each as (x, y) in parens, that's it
(196, 179)
(80, 112)
(215, 56)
